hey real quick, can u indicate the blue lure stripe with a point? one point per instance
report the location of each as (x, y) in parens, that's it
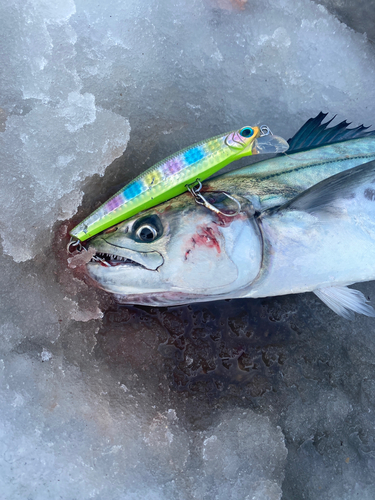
(133, 190)
(194, 155)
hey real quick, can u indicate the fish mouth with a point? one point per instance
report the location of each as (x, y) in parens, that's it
(109, 256)
(113, 260)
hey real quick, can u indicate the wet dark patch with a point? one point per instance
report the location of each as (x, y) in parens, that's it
(369, 194)
(230, 348)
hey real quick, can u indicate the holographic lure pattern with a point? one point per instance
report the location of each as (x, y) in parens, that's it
(168, 178)
(159, 173)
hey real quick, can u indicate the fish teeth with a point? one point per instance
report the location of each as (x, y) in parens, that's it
(111, 256)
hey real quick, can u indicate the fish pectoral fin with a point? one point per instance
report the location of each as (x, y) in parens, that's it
(345, 301)
(324, 195)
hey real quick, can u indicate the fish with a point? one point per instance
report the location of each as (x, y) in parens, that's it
(306, 224)
(172, 176)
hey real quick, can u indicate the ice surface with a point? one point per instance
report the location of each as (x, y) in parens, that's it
(358, 15)
(55, 136)
(53, 151)
(244, 452)
(247, 400)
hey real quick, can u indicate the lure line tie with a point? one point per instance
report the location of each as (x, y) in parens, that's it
(76, 245)
(265, 130)
(73, 245)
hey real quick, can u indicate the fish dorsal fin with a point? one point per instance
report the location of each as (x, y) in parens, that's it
(323, 195)
(345, 301)
(314, 133)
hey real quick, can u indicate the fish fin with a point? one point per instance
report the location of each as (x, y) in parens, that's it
(322, 196)
(345, 301)
(314, 133)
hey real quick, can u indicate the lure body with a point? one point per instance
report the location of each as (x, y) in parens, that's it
(169, 178)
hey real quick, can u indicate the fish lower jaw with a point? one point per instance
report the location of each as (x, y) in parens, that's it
(112, 260)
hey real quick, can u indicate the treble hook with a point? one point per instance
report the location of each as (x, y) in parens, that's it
(201, 200)
(102, 261)
(79, 247)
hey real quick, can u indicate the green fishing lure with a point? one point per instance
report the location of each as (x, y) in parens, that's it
(171, 176)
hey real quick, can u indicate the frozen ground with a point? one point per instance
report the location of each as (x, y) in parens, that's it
(255, 400)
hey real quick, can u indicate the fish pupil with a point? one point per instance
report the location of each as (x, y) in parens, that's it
(147, 233)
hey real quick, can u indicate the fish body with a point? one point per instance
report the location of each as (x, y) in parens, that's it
(170, 177)
(323, 237)
(307, 223)
(272, 182)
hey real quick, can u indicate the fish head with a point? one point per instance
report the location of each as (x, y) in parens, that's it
(251, 140)
(178, 252)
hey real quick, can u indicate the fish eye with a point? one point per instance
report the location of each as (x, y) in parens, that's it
(146, 233)
(246, 132)
(147, 229)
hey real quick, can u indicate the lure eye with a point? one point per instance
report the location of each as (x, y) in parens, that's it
(246, 132)
(146, 233)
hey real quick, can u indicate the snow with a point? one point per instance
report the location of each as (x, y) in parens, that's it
(244, 399)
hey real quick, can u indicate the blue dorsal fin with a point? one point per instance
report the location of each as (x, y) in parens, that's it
(314, 133)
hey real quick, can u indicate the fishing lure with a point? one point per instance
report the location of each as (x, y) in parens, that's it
(172, 176)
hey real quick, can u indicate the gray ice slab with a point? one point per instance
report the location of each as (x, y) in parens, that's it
(239, 400)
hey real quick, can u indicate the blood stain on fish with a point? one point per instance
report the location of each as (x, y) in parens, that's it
(205, 236)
